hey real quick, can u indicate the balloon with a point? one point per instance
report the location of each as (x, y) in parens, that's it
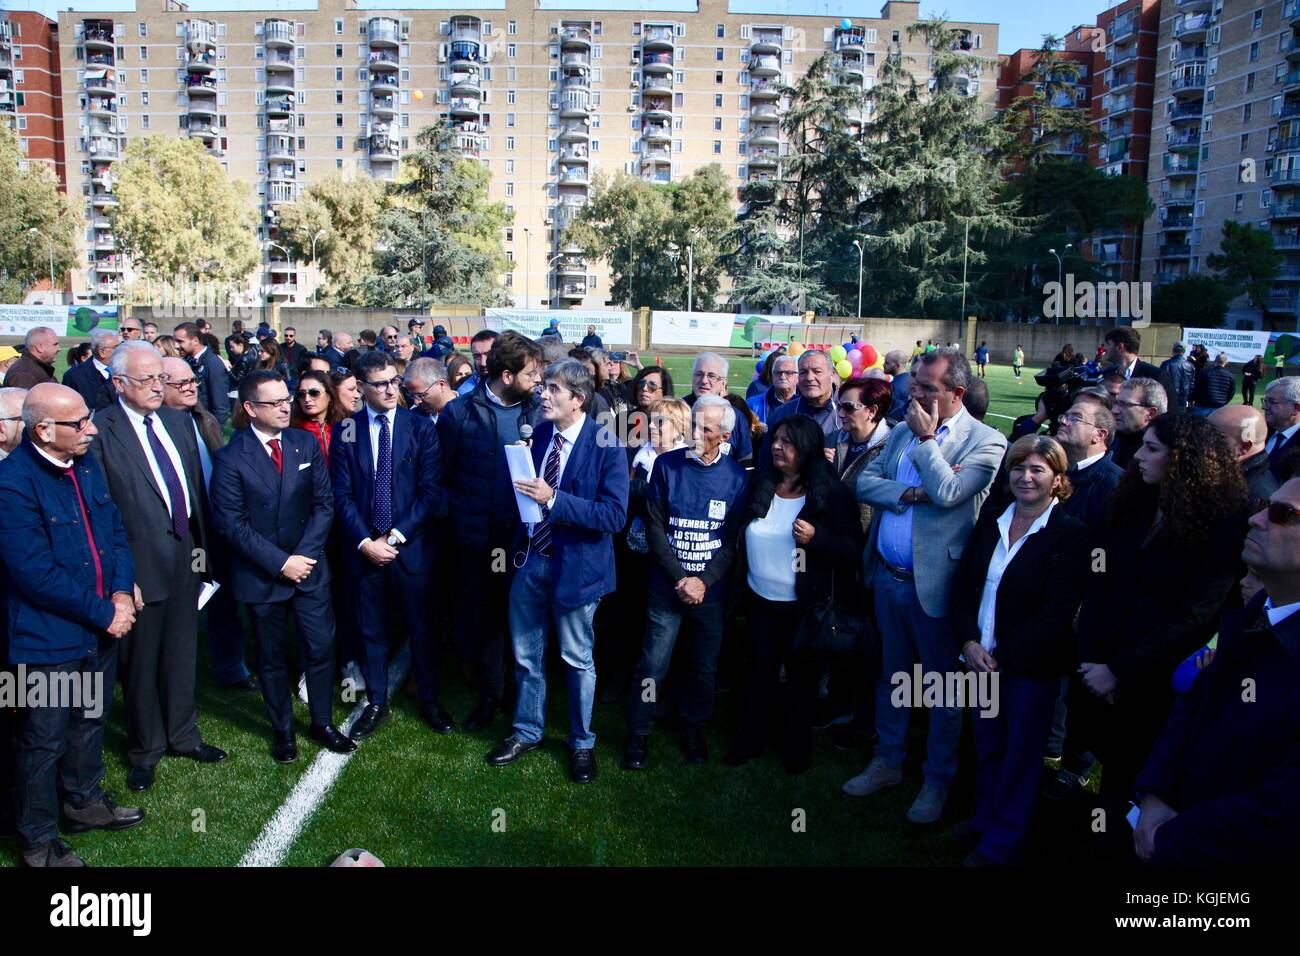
(838, 354)
(855, 357)
(844, 368)
(419, 94)
(878, 363)
(795, 349)
(869, 356)
(846, 23)
(759, 369)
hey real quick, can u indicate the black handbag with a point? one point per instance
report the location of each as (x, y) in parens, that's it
(827, 630)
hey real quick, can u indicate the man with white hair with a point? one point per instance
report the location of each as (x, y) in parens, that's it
(1141, 401)
(40, 349)
(815, 398)
(785, 376)
(11, 419)
(1246, 430)
(896, 366)
(1282, 412)
(693, 516)
(709, 377)
(90, 379)
(427, 388)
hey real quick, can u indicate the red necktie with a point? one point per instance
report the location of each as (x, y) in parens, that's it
(276, 458)
(90, 532)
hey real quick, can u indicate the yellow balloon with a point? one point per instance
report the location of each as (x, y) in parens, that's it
(419, 94)
(795, 349)
(844, 368)
(880, 362)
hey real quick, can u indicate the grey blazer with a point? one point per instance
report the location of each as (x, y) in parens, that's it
(941, 526)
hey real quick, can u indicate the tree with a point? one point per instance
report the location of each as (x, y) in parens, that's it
(180, 216)
(1037, 122)
(343, 212)
(30, 199)
(643, 230)
(1247, 262)
(439, 239)
(1197, 301)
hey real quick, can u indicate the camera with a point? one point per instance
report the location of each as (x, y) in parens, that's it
(1060, 383)
(618, 356)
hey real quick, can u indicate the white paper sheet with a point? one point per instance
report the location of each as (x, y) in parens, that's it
(206, 591)
(519, 458)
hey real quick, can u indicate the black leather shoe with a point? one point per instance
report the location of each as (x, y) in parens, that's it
(284, 749)
(582, 765)
(104, 815)
(511, 749)
(248, 683)
(370, 720)
(482, 717)
(635, 751)
(203, 753)
(438, 719)
(330, 737)
(139, 779)
(697, 750)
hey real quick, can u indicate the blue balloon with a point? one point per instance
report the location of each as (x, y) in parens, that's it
(846, 23)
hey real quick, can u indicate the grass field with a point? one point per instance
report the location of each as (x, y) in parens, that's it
(415, 798)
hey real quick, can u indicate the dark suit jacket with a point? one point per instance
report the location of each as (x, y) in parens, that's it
(85, 379)
(293, 356)
(1282, 460)
(1228, 762)
(590, 507)
(213, 384)
(141, 501)
(418, 493)
(333, 354)
(1039, 593)
(267, 517)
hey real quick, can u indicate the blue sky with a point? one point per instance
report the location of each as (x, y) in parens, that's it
(1022, 22)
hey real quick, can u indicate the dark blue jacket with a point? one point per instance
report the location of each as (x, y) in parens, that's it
(54, 612)
(213, 384)
(1182, 373)
(86, 381)
(478, 482)
(1229, 761)
(1214, 387)
(590, 508)
(418, 495)
(827, 417)
(267, 517)
(899, 386)
(764, 404)
(1092, 488)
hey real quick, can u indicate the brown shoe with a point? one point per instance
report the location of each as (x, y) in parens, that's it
(56, 853)
(104, 815)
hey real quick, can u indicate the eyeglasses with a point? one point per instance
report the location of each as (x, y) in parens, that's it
(310, 392)
(184, 384)
(79, 425)
(651, 387)
(386, 385)
(12, 418)
(419, 396)
(787, 373)
(1125, 403)
(160, 379)
(130, 330)
(1074, 418)
(1282, 514)
(709, 376)
(274, 403)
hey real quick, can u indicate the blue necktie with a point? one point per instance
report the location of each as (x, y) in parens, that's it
(175, 492)
(551, 474)
(382, 512)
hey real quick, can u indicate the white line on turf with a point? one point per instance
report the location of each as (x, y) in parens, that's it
(309, 792)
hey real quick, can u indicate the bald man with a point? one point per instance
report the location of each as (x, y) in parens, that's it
(40, 349)
(11, 420)
(69, 583)
(1247, 432)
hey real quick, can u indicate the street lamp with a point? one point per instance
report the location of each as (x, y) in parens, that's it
(1060, 271)
(51, 242)
(861, 257)
(286, 252)
(690, 277)
(528, 234)
(315, 288)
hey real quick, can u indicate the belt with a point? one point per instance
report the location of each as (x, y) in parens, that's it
(898, 574)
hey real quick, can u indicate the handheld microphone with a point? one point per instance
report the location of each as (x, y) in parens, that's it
(525, 433)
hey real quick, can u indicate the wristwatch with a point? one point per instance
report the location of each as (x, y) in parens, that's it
(392, 540)
(551, 501)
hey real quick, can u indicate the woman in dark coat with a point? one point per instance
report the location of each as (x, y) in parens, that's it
(802, 532)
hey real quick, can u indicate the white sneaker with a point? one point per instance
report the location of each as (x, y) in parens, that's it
(302, 689)
(876, 777)
(928, 805)
(352, 672)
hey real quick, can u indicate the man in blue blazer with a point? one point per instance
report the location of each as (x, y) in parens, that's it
(69, 580)
(387, 473)
(273, 502)
(90, 379)
(566, 563)
(1282, 414)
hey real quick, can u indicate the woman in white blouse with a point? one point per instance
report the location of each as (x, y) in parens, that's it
(1021, 581)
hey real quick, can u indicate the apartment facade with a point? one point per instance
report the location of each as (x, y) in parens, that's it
(1228, 85)
(545, 96)
(31, 98)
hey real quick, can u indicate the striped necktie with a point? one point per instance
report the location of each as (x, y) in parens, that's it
(551, 475)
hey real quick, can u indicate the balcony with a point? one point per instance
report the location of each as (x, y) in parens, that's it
(101, 106)
(765, 135)
(658, 84)
(1172, 201)
(465, 51)
(279, 106)
(574, 133)
(575, 60)
(109, 264)
(383, 81)
(658, 38)
(281, 147)
(851, 71)
(202, 107)
(103, 200)
(571, 265)
(383, 60)
(98, 35)
(465, 107)
(763, 158)
(383, 149)
(764, 89)
(105, 241)
(571, 290)
(1281, 302)
(1286, 241)
(1192, 27)
(1181, 165)
(1284, 210)
(574, 174)
(657, 108)
(201, 61)
(101, 85)
(575, 38)
(1187, 113)
(1286, 178)
(853, 37)
(1121, 56)
(765, 111)
(1292, 49)
(466, 84)
(1192, 84)
(657, 132)
(103, 148)
(279, 290)
(657, 63)
(579, 82)
(1175, 250)
(1189, 140)
(281, 172)
(100, 59)
(1123, 28)
(277, 193)
(281, 82)
(200, 33)
(1190, 55)
(204, 131)
(466, 28)
(574, 153)
(764, 66)
(468, 144)
(575, 103)
(279, 61)
(1291, 12)
(383, 106)
(1288, 144)
(765, 41)
(277, 33)
(383, 31)
(196, 83)
(657, 155)
(1180, 223)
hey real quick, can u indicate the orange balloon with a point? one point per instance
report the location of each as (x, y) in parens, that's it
(419, 94)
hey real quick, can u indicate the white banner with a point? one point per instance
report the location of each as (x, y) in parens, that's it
(614, 328)
(717, 330)
(18, 320)
(1241, 346)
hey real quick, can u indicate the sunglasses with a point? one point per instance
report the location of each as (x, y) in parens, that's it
(1282, 514)
(310, 392)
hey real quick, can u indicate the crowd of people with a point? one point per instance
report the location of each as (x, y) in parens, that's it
(1116, 574)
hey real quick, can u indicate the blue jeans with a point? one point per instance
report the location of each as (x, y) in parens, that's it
(532, 612)
(700, 627)
(1009, 749)
(908, 633)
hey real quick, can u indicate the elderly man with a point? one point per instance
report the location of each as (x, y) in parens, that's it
(325, 348)
(40, 349)
(150, 457)
(403, 350)
(925, 489)
(709, 377)
(1282, 412)
(1141, 401)
(213, 379)
(785, 376)
(69, 581)
(90, 379)
(1246, 431)
(815, 395)
(427, 388)
(11, 419)
(898, 367)
(388, 338)
(1220, 786)
(1084, 432)
(694, 510)
(132, 330)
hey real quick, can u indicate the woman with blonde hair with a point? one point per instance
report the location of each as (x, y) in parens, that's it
(166, 344)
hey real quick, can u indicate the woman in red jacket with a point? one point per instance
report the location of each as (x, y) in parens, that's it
(316, 408)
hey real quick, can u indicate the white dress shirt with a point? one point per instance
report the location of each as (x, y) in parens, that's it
(265, 441)
(1281, 438)
(65, 465)
(1088, 462)
(570, 435)
(374, 416)
(103, 369)
(1003, 555)
(1276, 615)
(159, 429)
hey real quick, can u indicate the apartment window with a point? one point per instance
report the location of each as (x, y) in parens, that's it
(1250, 82)
(1254, 51)
(1245, 112)
(511, 50)
(338, 51)
(510, 166)
(510, 143)
(338, 97)
(302, 120)
(894, 37)
(1238, 202)
(1259, 20)
(338, 142)
(597, 52)
(717, 77)
(144, 99)
(721, 31)
(512, 27)
(338, 74)
(144, 76)
(717, 123)
(1265, 198)
(512, 74)
(510, 189)
(718, 54)
(510, 97)
(338, 28)
(1245, 142)
(677, 99)
(717, 101)
(510, 119)
(677, 146)
(681, 76)
(717, 147)
(144, 121)
(338, 120)
(144, 53)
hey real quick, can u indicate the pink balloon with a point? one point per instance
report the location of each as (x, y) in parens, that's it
(855, 358)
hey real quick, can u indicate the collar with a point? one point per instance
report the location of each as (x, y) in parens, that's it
(1089, 461)
(724, 449)
(951, 422)
(198, 356)
(1128, 369)
(262, 437)
(1286, 435)
(494, 398)
(1004, 521)
(60, 467)
(389, 413)
(1276, 615)
(103, 369)
(573, 431)
(134, 417)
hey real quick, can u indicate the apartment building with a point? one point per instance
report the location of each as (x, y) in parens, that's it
(544, 95)
(1228, 86)
(31, 97)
